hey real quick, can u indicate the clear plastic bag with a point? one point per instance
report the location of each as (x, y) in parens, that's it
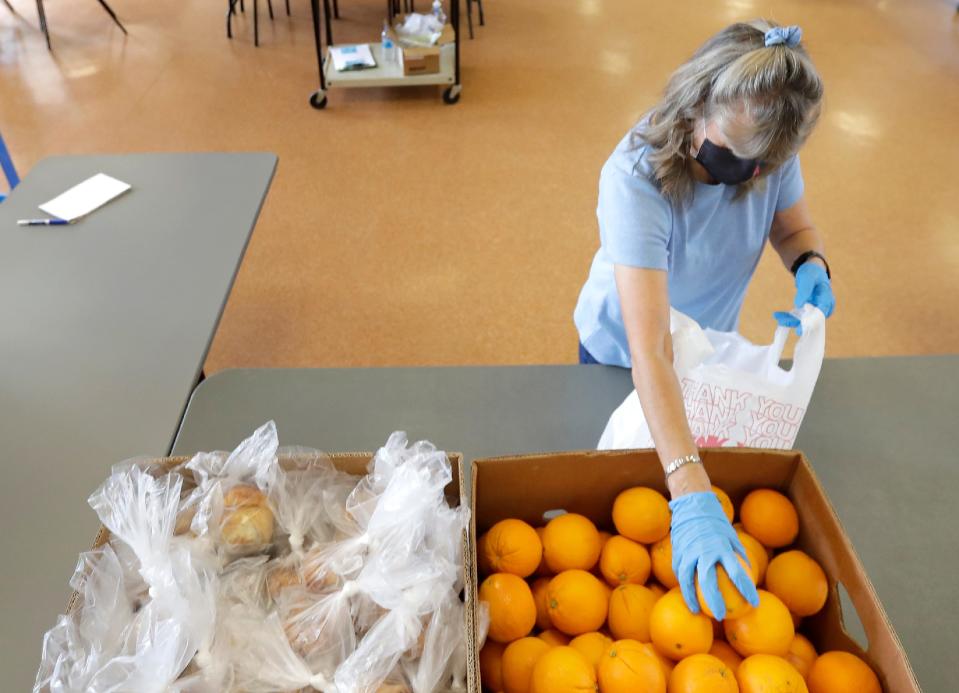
(442, 640)
(295, 496)
(361, 598)
(141, 510)
(82, 642)
(232, 511)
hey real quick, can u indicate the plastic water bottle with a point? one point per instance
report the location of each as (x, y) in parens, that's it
(438, 11)
(389, 48)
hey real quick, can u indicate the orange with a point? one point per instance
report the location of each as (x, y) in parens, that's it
(841, 672)
(770, 517)
(766, 629)
(512, 546)
(676, 631)
(491, 665)
(629, 667)
(726, 502)
(542, 570)
(665, 661)
(563, 670)
(629, 609)
(519, 658)
(661, 556)
(592, 646)
(482, 561)
(736, 604)
(539, 587)
(554, 638)
(763, 673)
(702, 673)
(570, 542)
(577, 602)
(624, 561)
(799, 581)
(722, 650)
(603, 538)
(801, 655)
(641, 514)
(656, 588)
(756, 553)
(512, 610)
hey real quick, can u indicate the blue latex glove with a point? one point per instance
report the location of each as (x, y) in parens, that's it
(812, 286)
(703, 537)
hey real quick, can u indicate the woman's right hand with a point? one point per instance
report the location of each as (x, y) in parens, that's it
(703, 537)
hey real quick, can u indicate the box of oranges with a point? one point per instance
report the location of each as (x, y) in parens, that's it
(573, 565)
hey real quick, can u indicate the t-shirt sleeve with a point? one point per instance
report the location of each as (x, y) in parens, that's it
(634, 218)
(791, 185)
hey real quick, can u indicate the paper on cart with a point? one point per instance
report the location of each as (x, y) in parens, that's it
(85, 197)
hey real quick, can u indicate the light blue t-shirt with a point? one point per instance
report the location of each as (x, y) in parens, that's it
(710, 246)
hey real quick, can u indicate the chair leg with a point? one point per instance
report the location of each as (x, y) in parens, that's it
(469, 15)
(41, 13)
(9, 6)
(242, 7)
(113, 15)
(479, 3)
(287, 8)
(256, 22)
(269, 5)
(230, 11)
(336, 9)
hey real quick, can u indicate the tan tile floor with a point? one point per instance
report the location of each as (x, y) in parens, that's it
(403, 231)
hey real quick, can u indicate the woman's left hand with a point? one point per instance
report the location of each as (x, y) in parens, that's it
(812, 286)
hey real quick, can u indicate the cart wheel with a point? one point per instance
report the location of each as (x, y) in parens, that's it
(451, 95)
(318, 100)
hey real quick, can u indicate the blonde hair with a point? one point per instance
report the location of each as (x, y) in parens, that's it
(773, 93)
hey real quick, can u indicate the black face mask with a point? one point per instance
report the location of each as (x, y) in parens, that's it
(724, 166)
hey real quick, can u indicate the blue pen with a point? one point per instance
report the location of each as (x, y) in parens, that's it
(42, 222)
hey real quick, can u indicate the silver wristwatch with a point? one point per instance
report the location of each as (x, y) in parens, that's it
(682, 462)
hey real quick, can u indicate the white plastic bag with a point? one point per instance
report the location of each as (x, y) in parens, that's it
(735, 392)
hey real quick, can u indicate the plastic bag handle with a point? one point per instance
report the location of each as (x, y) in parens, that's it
(811, 347)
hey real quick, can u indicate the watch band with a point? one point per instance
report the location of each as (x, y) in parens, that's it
(681, 462)
(805, 256)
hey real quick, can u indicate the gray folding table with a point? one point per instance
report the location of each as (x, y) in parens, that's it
(877, 432)
(104, 327)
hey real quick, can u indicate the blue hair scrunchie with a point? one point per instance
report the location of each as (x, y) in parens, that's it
(780, 35)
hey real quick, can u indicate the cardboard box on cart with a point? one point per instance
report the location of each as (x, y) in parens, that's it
(527, 486)
(423, 60)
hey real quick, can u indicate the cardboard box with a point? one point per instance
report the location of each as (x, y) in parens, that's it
(527, 486)
(417, 60)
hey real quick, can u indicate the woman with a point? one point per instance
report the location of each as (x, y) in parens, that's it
(686, 204)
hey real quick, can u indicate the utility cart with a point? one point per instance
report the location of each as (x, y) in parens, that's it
(384, 74)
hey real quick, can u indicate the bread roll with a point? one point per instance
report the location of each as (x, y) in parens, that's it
(280, 578)
(243, 496)
(247, 527)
